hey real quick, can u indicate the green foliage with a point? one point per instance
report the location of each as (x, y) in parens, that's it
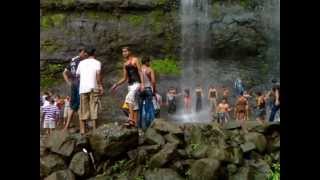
(161, 2)
(48, 76)
(49, 46)
(139, 178)
(216, 12)
(195, 147)
(135, 20)
(166, 66)
(119, 165)
(188, 173)
(157, 19)
(275, 173)
(245, 3)
(49, 21)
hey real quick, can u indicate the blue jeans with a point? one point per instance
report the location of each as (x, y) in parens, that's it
(146, 113)
(274, 110)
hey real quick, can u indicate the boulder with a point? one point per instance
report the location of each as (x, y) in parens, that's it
(171, 138)
(162, 174)
(80, 164)
(51, 163)
(232, 169)
(217, 153)
(258, 139)
(230, 125)
(163, 156)
(150, 149)
(254, 126)
(248, 146)
(111, 140)
(260, 169)
(61, 175)
(61, 143)
(166, 127)
(204, 169)
(242, 174)
(152, 137)
(234, 155)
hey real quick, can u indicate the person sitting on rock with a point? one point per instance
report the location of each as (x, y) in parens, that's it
(51, 115)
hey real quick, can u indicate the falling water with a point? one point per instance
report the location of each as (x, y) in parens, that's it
(195, 45)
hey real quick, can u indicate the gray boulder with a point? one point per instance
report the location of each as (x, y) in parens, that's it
(163, 156)
(152, 137)
(204, 169)
(111, 140)
(51, 163)
(80, 164)
(162, 174)
(61, 175)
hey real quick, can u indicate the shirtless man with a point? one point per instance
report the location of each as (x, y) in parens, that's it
(241, 108)
(223, 109)
(261, 108)
(133, 75)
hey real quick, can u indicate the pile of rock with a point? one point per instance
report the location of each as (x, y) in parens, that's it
(164, 151)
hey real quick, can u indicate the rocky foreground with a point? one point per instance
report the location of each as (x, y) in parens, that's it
(165, 151)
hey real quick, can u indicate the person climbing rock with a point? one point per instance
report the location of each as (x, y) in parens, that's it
(69, 75)
(199, 95)
(223, 110)
(133, 75)
(90, 88)
(147, 112)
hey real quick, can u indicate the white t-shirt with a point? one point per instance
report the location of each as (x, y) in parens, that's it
(88, 69)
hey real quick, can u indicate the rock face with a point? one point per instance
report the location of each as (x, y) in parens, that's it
(61, 175)
(205, 169)
(162, 174)
(80, 164)
(110, 140)
(61, 143)
(195, 152)
(163, 156)
(51, 163)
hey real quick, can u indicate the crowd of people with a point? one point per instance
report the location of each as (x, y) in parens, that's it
(142, 103)
(221, 107)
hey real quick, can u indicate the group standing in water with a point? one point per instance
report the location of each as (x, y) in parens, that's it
(220, 106)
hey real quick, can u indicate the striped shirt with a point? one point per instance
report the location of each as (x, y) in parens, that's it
(50, 112)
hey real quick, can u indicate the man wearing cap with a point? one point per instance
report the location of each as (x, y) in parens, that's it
(69, 75)
(90, 88)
